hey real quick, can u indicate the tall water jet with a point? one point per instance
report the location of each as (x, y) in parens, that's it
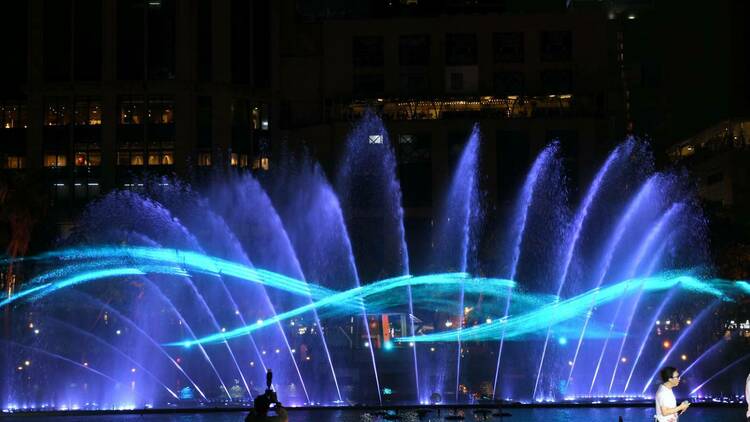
(366, 181)
(544, 171)
(571, 242)
(457, 224)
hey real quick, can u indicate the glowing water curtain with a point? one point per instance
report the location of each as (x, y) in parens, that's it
(87, 265)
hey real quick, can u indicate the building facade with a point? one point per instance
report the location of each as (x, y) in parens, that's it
(102, 93)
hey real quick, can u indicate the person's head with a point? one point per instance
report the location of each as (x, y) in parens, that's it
(670, 376)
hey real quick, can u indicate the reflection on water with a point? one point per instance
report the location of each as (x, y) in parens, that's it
(518, 415)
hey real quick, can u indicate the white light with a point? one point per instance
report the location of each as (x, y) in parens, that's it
(658, 322)
(432, 349)
(449, 323)
(375, 139)
(278, 351)
(223, 330)
(132, 370)
(264, 352)
(237, 312)
(294, 350)
(260, 321)
(252, 363)
(118, 332)
(366, 344)
(631, 16)
(27, 363)
(488, 320)
(36, 331)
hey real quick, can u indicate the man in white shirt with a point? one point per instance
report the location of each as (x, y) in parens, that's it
(666, 404)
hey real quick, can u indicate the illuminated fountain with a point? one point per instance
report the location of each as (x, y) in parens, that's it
(175, 295)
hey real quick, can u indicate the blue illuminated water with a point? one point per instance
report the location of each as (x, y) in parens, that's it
(518, 415)
(176, 292)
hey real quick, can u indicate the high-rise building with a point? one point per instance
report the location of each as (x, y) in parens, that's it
(95, 94)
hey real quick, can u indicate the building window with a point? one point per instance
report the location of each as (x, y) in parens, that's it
(461, 49)
(204, 40)
(87, 112)
(261, 163)
(556, 46)
(56, 32)
(87, 155)
(203, 122)
(160, 153)
(414, 83)
(85, 189)
(130, 154)
(414, 50)
(160, 158)
(367, 51)
(132, 111)
(160, 111)
(161, 39)
(204, 159)
(55, 160)
(557, 81)
(15, 162)
(259, 117)
(508, 83)
(507, 47)
(457, 81)
(12, 115)
(14, 25)
(368, 84)
(146, 33)
(56, 111)
(239, 41)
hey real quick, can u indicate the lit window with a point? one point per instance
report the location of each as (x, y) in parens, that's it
(55, 160)
(56, 112)
(12, 115)
(234, 159)
(136, 159)
(264, 163)
(153, 159)
(375, 139)
(259, 117)
(204, 159)
(244, 161)
(87, 112)
(167, 159)
(15, 162)
(160, 111)
(131, 111)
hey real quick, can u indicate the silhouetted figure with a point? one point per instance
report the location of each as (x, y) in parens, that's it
(266, 402)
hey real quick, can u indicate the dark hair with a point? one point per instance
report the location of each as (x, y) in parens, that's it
(666, 373)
